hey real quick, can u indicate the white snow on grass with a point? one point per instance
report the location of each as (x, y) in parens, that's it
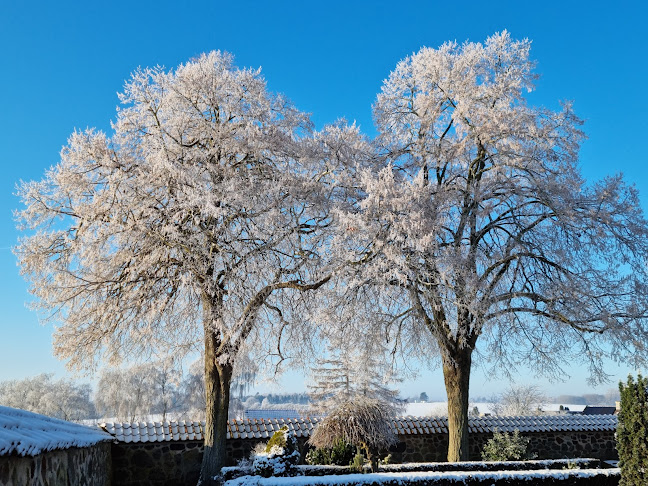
(28, 434)
(414, 477)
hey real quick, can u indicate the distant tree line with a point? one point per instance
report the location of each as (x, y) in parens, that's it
(137, 393)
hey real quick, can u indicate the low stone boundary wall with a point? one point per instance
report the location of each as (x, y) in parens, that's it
(547, 445)
(76, 466)
(178, 462)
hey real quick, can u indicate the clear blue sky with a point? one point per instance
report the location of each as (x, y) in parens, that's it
(63, 63)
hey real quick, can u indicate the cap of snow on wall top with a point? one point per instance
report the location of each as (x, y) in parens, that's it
(302, 427)
(29, 434)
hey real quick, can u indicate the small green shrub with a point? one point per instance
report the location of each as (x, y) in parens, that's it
(386, 460)
(318, 457)
(357, 465)
(278, 439)
(279, 457)
(506, 447)
(341, 454)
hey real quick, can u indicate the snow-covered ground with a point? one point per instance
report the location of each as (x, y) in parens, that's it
(414, 477)
(439, 409)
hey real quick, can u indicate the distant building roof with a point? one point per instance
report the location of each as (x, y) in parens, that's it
(599, 410)
(28, 434)
(266, 413)
(302, 427)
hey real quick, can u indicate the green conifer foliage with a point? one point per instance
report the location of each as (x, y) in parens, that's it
(632, 432)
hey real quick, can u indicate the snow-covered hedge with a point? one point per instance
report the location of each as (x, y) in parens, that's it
(571, 477)
(280, 456)
(464, 466)
(330, 470)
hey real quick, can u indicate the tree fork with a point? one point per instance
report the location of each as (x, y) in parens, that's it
(456, 374)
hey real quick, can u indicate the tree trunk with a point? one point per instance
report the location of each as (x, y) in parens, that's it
(217, 392)
(456, 374)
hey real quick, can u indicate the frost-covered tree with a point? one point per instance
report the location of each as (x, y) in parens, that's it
(356, 362)
(179, 228)
(350, 372)
(135, 392)
(519, 400)
(480, 223)
(62, 398)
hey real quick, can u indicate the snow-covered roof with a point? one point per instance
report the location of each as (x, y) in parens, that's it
(28, 434)
(302, 427)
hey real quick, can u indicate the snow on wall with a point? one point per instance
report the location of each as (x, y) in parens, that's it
(29, 434)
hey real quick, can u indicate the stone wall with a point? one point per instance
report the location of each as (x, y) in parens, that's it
(178, 463)
(547, 445)
(171, 463)
(86, 466)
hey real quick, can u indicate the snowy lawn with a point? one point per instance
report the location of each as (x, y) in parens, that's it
(585, 477)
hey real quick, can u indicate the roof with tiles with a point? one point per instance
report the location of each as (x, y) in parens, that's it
(302, 427)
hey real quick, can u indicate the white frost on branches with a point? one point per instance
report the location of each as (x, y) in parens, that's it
(477, 219)
(195, 210)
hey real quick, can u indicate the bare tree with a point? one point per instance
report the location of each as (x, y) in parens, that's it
(480, 224)
(136, 392)
(519, 400)
(62, 398)
(178, 229)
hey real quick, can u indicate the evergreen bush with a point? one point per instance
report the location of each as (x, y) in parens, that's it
(358, 462)
(506, 447)
(279, 457)
(341, 454)
(632, 432)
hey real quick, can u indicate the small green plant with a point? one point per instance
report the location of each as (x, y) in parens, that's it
(279, 456)
(341, 454)
(506, 447)
(632, 432)
(358, 462)
(318, 457)
(386, 460)
(278, 439)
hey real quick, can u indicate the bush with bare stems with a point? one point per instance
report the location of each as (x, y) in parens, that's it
(361, 421)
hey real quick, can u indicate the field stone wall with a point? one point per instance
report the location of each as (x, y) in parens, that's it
(172, 463)
(84, 466)
(178, 462)
(547, 445)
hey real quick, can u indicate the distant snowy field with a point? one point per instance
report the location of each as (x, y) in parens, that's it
(439, 409)
(413, 409)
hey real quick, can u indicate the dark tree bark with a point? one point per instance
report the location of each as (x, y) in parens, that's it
(218, 378)
(456, 374)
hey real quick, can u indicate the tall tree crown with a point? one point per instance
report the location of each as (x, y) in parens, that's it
(198, 198)
(479, 218)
